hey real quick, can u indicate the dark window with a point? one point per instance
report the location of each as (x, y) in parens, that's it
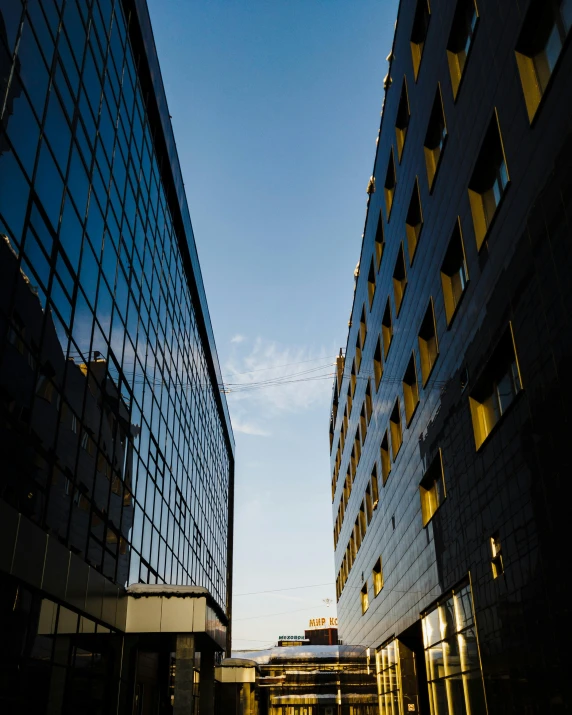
(461, 40)
(385, 458)
(399, 279)
(379, 241)
(539, 46)
(386, 329)
(419, 34)
(390, 183)
(496, 388)
(377, 364)
(489, 181)
(454, 275)
(435, 138)
(402, 120)
(395, 430)
(371, 283)
(428, 346)
(410, 390)
(432, 489)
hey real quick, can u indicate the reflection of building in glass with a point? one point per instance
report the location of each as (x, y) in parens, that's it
(301, 680)
(77, 479)
(450, 403)
(117, 450)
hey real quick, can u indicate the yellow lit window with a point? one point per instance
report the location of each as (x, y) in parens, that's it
(496, 388)
(395, 430)
(364, 598)
(357, 535)
(489, 181)
(371, 283)
(428, 346)
(435, 139)
(353, 382)
(390, 182)
(377, 575)
(454, 274)
(368, 402)
(379, 241)
(357, 446)
(377, 364)
(414, 221)
(402, 120)
(368, 504)
(386, 329)
(432, 489)
(496, 556)
(461, 40)
(374, 487)
(399, 279)
(419, 34)
(363, 424)
(385, 458)
(410, 390)
(539, 46)
(362, 328)
(363, 522)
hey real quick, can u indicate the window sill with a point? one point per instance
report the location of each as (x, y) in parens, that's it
(436, 174)
(425, 382)
(459, 302)
(410, 420)
(491, 226)
(499, 422)
(426, 524)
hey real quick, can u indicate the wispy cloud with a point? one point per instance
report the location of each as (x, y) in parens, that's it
(271, 378)
(237, 339)
(239, 425)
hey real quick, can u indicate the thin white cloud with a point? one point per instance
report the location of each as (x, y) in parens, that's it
(239, 425)
(306, 378)
(237, 339)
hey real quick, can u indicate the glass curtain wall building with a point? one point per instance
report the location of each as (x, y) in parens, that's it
(448, 428)
(117, 453)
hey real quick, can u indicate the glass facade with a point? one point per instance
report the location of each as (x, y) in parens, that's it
(114, 434)
(388, 679)
(452, 656)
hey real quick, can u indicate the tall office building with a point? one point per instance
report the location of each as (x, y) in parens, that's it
(116, 449)
(449, 440)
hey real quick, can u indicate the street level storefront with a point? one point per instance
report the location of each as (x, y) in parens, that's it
(302, 680)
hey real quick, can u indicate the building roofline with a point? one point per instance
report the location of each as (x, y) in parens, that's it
(178, 202)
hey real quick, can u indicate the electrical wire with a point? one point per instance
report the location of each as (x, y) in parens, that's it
(288, 364)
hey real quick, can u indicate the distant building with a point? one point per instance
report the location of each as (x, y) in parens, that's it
(116, 448)
(322, 631)
(302, 680)
(449, 425)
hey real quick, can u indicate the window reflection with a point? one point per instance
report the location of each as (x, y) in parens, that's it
(102, 356)
(453, 664)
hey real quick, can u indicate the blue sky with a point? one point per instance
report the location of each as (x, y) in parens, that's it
(276, 106)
